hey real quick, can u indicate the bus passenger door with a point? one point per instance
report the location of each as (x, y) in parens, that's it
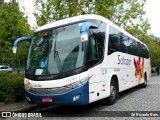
(95, 84)
(96, 74)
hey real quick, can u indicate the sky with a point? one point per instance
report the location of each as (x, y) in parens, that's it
(152, 9)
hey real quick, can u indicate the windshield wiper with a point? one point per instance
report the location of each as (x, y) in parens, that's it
(42, 55)
(57, 58)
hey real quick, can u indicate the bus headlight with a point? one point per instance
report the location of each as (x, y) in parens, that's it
(27, 85)
(77, 83)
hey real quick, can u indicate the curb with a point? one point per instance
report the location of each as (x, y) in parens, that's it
(27, 109)
(32, 108)
(22, 106)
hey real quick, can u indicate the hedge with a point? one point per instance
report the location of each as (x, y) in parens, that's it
(11, 90)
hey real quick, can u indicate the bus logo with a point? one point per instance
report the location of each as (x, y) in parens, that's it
(139, 65)
(46, 91)
(123, 60)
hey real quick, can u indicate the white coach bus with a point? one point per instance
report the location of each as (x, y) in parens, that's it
(82, 59)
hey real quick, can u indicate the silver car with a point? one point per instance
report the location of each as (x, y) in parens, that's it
(5, 69)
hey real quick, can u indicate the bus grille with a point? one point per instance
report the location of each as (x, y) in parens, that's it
(49, 90)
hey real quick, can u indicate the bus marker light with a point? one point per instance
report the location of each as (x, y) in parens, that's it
(76, 97)
(91, 92)
(27, 98)
(103, 89)
(47, 100)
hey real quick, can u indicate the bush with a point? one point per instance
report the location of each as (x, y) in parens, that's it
(11, 90)
(153, 70)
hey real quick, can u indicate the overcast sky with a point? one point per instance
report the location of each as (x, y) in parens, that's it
(153, 15)
(152, 8)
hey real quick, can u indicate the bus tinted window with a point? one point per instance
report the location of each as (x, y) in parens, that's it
(96, 42)
(118, 41)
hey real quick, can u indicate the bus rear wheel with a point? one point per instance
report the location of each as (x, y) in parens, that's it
(113, 93)
(145, 81)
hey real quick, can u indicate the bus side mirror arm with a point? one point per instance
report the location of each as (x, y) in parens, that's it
(19, 40)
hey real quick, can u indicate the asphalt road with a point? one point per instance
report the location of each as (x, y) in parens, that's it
(139, 101)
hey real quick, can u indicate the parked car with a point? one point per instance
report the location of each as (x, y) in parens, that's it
(5, 69)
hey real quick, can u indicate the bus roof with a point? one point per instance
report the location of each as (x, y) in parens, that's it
(83, 18)
(71, 20)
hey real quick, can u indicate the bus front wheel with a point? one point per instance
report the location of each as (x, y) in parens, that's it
(113, 93)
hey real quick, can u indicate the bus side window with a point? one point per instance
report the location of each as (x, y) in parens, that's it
(96, 43)
(96, 46)
(117, 41)
(113, 40)
(112, 46)
(92, 48)
(101, 43)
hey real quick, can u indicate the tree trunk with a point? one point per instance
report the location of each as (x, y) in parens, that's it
(1, 4)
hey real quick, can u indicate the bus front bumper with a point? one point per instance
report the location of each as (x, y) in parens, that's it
(76, 96)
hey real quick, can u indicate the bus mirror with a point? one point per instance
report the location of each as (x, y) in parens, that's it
(84, 31)
(19, 40)
(14, 50)
(84, 28)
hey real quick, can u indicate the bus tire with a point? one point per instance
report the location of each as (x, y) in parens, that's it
(113, 93)
(145, 81)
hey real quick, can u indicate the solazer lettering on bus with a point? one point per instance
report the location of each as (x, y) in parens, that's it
(123, 60)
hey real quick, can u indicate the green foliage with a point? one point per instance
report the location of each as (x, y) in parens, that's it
(11, 89)
(138, 30)
(125, 13)
(52, 10)
(13, 25)
(154, 49)
(1, 4)
(122, 12)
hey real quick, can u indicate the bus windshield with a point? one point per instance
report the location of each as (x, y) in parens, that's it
(55, 50)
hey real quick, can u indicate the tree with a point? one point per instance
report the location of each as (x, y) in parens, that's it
(154, 49)
(1, 4)
(122, 12)
(48, 11)
(125, 13)
(13, 25)
(138, 30)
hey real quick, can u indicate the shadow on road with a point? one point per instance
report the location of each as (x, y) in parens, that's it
(82, 110)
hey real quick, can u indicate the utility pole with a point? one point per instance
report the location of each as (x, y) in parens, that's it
(1, 4)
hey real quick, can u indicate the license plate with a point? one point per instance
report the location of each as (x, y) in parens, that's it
(47, 100)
